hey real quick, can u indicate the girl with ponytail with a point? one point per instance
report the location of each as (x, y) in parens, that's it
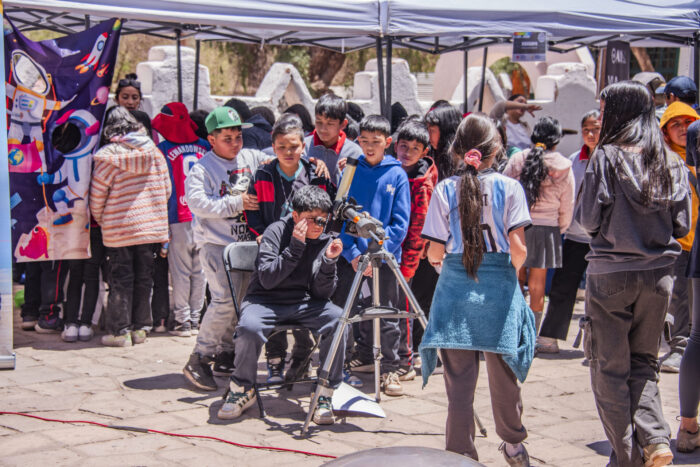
(549, 185)
(475, 223)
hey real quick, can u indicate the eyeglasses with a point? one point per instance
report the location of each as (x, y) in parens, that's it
(123, 83)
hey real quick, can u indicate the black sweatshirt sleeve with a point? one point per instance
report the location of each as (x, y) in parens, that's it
(326, 278)
(273, 263)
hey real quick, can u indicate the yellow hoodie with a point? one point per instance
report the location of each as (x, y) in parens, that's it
(679, 109)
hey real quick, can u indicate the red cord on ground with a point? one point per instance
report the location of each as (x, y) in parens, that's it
(177, 435)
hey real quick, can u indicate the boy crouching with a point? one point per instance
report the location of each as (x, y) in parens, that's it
(294, 279)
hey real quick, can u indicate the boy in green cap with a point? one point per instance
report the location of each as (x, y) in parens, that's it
(216, 192)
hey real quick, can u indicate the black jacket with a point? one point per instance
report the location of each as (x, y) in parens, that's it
(288, 271)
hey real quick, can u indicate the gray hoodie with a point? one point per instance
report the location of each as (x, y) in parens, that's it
(213, 192)
(625, 234)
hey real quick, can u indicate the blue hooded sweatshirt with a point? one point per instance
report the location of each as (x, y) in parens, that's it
(383, 191)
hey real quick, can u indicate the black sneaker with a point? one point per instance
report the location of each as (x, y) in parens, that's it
(223, 364)
(49, 324)
(275, 371)
(194, 326)
(295, 371)
(28, 322)
(198, 372)
(181, 329)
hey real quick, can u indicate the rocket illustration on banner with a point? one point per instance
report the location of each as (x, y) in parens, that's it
(90, 60)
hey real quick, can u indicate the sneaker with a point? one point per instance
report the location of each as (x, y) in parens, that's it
(275, 371)
(323, 415)
(351, 379)
(406, 373)
(50, 324)
(360, 366)
(547, 345)
(85, 332)
(70, 333)
(657, 455)
(687, 441)
(391, 384)
(29, 322)
(671, 363)
(194, 327)
(138, 336)
(223, 363)
(295, 373)
(521, 459)
(181, 329)
(198, 372)
(161, 327)
(235, 403)
(122, 340)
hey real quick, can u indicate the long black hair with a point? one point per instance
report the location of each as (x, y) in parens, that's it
(545, 136)
(629, 120)
(446, 118)
(476, 131)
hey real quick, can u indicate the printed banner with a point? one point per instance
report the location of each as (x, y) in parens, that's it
(617, 62)
(529, 46)
(57, 91)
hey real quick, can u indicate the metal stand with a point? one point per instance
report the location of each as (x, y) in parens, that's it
(375, 256)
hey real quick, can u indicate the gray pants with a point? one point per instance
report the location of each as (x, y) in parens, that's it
(678, 316)
(186, 273)
(624, 322)
(216, 331)
(461, 373)
(257, 322)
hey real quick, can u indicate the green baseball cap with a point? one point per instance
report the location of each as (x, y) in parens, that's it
(224, 117)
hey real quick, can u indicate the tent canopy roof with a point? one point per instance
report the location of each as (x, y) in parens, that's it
(437, 26)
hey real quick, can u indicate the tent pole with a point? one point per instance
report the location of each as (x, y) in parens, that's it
(696, 60)
(178, 33)
(380, 70)
(196, 75)
(483, 78)
(87, 22)
(466, 79)
(387, 97)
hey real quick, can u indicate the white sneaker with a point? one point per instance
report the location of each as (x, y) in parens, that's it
(391, 384)
(235, 404)
(85, 332)
(70, 333)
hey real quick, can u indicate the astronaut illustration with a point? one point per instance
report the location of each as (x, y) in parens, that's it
(29, 102)
(90, 60)
(77, 163)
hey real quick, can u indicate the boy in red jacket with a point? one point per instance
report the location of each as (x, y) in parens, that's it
(412, 145)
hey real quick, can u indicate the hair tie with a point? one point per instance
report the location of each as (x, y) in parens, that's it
(541, 145)
(473, 158)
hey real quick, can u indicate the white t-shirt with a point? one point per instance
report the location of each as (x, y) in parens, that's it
(518, 135)
(504, 209)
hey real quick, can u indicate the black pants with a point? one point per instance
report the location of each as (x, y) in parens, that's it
(85, 272)
(423, 288)
(562, 295)
(43, 288)
(131, 280)
(160, 301)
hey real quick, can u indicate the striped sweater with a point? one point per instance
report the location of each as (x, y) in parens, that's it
(129, 192)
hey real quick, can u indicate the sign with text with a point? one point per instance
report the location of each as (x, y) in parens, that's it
(617, 62)
(529, 46)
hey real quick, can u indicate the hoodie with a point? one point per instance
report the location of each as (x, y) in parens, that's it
(625, 234)
(555, 205)
(129, 192)
(579, 161)
(422, 184)
(259, 136)
(384, 192)
(679, 109)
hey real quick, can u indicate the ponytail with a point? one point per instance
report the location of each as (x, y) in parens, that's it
(545, 136)
(476, 140)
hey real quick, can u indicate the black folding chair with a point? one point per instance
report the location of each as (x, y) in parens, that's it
(240, 257)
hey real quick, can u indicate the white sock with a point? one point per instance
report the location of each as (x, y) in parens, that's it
(514, 449)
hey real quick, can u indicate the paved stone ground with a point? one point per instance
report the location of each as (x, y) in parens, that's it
(143, 386)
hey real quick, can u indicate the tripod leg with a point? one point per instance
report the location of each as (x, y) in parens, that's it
(376, 332)
(394, 266)
(339, 334)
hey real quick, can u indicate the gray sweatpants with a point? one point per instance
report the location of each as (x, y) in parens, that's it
(461, 373)
(216, 331)
(678, 316)
(186, 273)
(624, 322)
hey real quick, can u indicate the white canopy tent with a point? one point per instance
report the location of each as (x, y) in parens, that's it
(435, 27)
